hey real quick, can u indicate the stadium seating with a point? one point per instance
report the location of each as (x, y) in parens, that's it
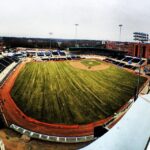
(126, 62)
(6, 61)
(127, 59)
(141, 62)
(62, 53)
(40, 54)
(1, 67)
(55, 53)
(48, 53)
(68, 58)
(136, 60)
(13, 58)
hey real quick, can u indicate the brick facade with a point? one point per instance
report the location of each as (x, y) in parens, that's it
(133, 49)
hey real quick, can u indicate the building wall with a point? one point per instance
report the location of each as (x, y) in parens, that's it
(121, 46)
(133, 49)
(142, 50)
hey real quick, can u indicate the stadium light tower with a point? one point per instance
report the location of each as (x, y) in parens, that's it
(76, 33)
(120, 30)
(50, 39)
(141, 37)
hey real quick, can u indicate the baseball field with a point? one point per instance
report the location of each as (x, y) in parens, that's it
(58, 92)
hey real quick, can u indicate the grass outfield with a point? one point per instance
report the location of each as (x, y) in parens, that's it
(55, 92)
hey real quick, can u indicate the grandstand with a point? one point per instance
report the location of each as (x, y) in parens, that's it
(128, 62)
(6, 61)
(7, 64)
(52, 55)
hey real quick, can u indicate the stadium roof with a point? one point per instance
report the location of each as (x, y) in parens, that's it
(132, 132)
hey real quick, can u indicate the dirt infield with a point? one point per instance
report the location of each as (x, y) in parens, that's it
(79, 65)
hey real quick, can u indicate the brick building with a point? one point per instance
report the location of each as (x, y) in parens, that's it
(132, 48)
(141, 49)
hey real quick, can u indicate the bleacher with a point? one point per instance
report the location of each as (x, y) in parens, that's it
(6, 61)
(126, 62)
(13, 58)
(40, 54)
(2, 67)
(48, 53)
(136, 60)
(54, 55)
(62, 53)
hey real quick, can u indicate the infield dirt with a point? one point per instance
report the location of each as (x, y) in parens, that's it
(79, 65)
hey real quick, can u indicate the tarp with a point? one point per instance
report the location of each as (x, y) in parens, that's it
(131, 132)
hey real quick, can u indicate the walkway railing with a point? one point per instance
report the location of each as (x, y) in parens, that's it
(51, 138)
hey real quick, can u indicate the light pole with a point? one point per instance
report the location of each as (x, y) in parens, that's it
(120, 29)
(50, 39)
(76, 32)
(141, 37)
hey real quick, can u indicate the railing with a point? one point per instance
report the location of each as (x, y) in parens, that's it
(51, 138)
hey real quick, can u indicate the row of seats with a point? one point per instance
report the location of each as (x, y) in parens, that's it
(51, 53)
(120, 64)
(126, 62)
(71, 57)
(6, 61)
(135, 60)
(129, 59)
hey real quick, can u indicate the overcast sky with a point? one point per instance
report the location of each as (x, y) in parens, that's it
(97, 19)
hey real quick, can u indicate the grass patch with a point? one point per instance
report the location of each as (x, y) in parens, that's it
(55, 92)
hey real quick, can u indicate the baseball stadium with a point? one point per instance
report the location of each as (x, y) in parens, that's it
(74, 75)
(60, 97)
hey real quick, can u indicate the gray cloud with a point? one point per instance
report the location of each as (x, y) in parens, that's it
(97, 19)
